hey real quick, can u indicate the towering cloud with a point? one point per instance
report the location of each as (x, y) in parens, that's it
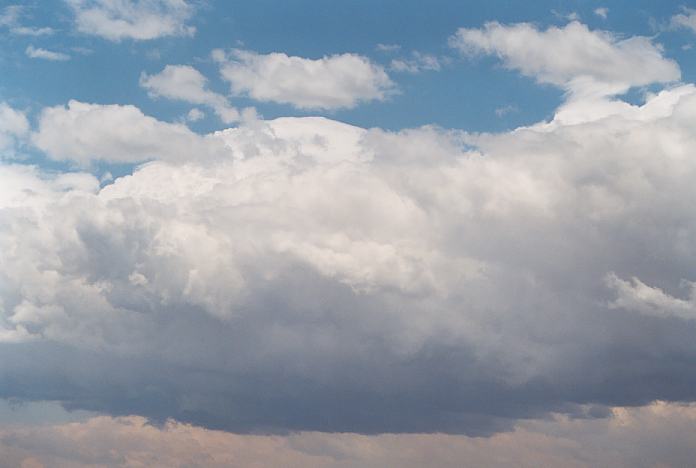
(308, 274)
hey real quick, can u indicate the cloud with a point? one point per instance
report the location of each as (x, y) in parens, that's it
(505, 110)
(332, 82)
(10, 15)
(10, 18)
(387, 48)
(602, 12)
(581, 61)
(187, 84)
(658, 434)
(686, 19)
(82, 132)
(116, 20)
(39, 53)
(13, 128)
(417, 63)
(28, 31)
(305, 274)
(638, 296)
(194, 115)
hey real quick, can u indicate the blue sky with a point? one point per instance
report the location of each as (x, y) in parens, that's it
(347, 234)
(464, 94)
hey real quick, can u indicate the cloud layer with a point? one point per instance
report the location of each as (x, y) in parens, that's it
(656, 435)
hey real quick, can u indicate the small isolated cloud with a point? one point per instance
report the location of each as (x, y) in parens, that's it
(602, 12)
(29, 31)
(505, 110)
(194, 115)
(185, 83)
(572, 16)
(572, 57)
(686, 19)
(417, 63)
(39, 53)
(83, 132)
(331, 82)
(116, 20)
(387, 48)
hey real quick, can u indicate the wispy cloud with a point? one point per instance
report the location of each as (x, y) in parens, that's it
(39, 53)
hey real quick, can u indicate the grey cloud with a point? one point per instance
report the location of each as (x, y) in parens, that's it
(318, 276)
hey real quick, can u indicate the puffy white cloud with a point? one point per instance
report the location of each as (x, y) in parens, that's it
(185, 83)
(573, 57)
(332, 82)
(686, 19)
(658, 434)
(39, 53)
(116, 20)
(13, 127)
(83, 132)
(313, 275)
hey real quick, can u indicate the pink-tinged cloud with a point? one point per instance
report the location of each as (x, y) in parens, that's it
(659, 434)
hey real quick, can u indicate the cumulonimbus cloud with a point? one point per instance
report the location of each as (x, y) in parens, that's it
(311, 275)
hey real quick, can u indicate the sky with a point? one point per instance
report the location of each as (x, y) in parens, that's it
(347, 234)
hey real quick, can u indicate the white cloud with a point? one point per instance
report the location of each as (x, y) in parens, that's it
(387, 48)
(581, 61)
(602, 12)
(29, 31)
(39, 53)
(194, 115)
(638, 296)
(13, 127)
(10, 15)
(10, 18)
(116, 20)
(83, 132)
(417, 63)
(505, 110)
(332, 82)
(686, 19)
(185, 83)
